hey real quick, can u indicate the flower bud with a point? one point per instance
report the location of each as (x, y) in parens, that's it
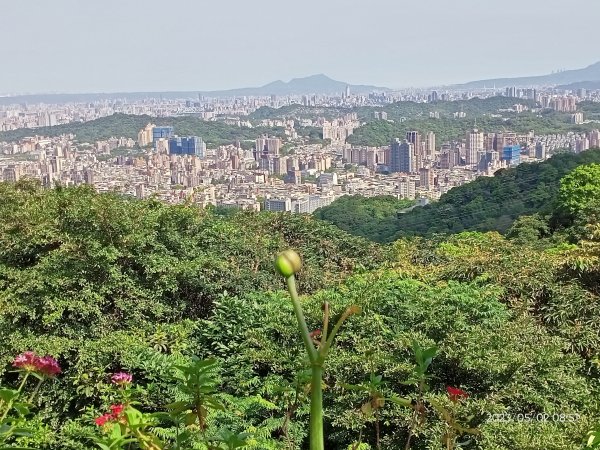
(288, 263)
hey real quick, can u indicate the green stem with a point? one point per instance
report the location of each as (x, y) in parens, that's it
(325, 348)
(35, 391)
(316, 360)
(312, 352)
(10, 403)
(325, 329)
(23, 381)
(316, 409)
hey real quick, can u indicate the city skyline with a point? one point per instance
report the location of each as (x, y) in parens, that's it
(68, 47)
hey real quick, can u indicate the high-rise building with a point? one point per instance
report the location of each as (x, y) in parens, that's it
(564, 104)
(267, 145)
(582, 145)
(594, 138)
(511, 154)
(426, 178)
(280, 165)
(12, 173)
(190, 145)
(448, 158)
(339, 129)
(145, 136)
(475, 144)
(88, 176)
(489, 140)
(301, 205)
(430, 145)
(327, 180)
(161, 133)
(415, 139)
(577, 118)
(402, 156)
(540, 150)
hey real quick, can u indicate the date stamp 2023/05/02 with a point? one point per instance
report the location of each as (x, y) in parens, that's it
(534, 417)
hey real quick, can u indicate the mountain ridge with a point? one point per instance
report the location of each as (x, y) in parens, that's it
(312, 84)
(590, 73)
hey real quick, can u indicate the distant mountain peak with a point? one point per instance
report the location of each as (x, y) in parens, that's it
(318, 76)
(311, 84)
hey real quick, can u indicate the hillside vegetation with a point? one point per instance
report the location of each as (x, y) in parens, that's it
(459, 339)
(447, 128)
(127, 125)
(486, 204)
(372, 218)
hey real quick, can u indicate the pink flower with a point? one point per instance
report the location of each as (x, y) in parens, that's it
(101, 421)
(121, 378)
(27, 361)
(456, 394)
(48, 366)
(30, 362)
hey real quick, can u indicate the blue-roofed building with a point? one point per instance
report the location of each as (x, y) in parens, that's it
(161, 133)
(512, 154)
(190, 145)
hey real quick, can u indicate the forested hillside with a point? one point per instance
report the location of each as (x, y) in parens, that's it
(127, 125)
(473, 341)
(493, 203)
(372, 218)
(486, 204)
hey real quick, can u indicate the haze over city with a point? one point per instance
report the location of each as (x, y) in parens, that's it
(116, 46)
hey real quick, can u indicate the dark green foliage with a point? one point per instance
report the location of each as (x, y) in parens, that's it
(580, 189)
(126, 125)
(406, 116)
(373, 218)
(475, 107)
(89, 277)
(106, 283)
(493, 203)
(591, 110)
(506, 361)
(528, 230)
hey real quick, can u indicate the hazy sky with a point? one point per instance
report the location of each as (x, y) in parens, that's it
(154, 45)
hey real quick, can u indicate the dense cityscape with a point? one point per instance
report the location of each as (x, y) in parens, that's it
(284, 171)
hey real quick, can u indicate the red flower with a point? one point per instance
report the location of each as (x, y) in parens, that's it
(456, 394)
(121, 378)
(48, 366)
(27, 361)
(315, 334)
(100, 421)
(117, 410)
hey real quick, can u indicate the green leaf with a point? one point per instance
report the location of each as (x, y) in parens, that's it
(8, 395)
(190, 419)
(367, 409)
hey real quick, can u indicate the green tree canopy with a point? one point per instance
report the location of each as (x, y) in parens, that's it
(580, 189)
